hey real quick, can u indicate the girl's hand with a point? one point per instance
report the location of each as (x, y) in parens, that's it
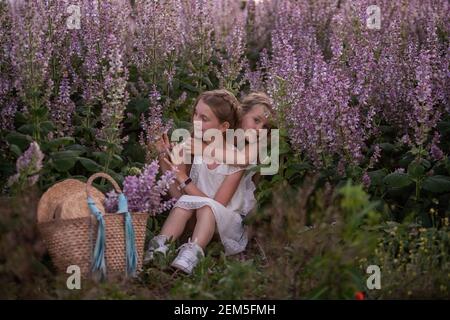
(197, 147)
(178, 154)
(179, 170)
(193, 146)
(163, 144)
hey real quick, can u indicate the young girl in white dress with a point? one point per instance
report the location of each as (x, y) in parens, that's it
(217, 195)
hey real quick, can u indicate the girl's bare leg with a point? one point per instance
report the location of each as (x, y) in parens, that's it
(176, 222)
(205, 226)
(189, 229)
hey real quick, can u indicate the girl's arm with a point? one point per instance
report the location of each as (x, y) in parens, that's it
(228, 188)
(182, 176)
(242, 158)
(223, 194)
(191, 189)
(173, 188)
(162, 146)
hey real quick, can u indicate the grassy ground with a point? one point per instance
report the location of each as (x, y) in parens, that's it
(305, 244)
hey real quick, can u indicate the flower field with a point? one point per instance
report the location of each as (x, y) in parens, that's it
(361, 93)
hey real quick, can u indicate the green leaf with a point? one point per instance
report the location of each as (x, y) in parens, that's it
(175, 84)
(102, 157)
(284, 133)
(64, 164)
(114, 147)
(425, 163)
(437, 184)
(318, 293)
(277, 178)
(416, 170)
(397, 180)
(116, 161)
(27, 128)
(208, 82)
(385, 129)
(284, 147)
(387, 147)
(290, 172)
(263, 194)
(294, 168)
(376, 177)
(190, 87)
(7, 168)
(140, 105)
(90, 165)
(46, 127)
(39, 112)
(355, 171)
(77, 147)
(16, 150)
(179, 124)
(19, 139)
(444, 127)
(406, 160)
(64, 160)
(21, 118)
(66, 154)
(116, 176)
(55, 143)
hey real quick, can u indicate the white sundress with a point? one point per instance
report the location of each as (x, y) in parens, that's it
(232, 232)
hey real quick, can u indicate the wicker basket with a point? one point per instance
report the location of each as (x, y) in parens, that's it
(72, 241)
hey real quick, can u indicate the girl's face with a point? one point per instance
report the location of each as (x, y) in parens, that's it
(205, 116)
(254, 119)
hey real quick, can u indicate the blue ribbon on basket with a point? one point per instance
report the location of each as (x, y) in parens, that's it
(129, 236)
(98, 261)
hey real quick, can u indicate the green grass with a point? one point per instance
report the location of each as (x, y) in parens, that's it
(286, 258)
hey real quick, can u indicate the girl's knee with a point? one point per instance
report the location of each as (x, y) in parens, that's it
(205, 210)
(181, 211)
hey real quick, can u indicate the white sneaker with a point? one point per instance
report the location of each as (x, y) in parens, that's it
(189, 255)
(157, 244)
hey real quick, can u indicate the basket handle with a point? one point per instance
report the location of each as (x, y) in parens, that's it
(101, 175)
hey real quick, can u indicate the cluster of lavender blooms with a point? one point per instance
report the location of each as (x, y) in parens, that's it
(230, 42)
(9, 105)
(64, 109)
(28, 166)
(116, 97)
(50, 63)
(234, 61)
(106, 22)
(144, 191)
(334, 79)
(157, 38)
(152, 124)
